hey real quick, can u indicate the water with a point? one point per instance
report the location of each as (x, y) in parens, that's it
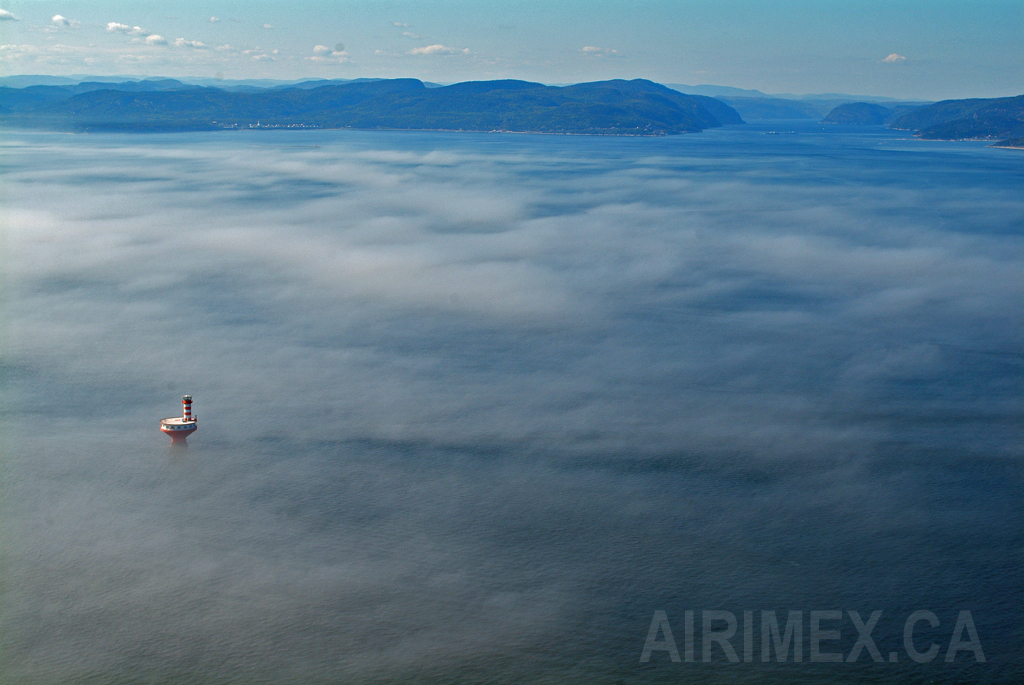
(473, 407)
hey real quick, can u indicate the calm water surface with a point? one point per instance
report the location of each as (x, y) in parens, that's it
(473, 407)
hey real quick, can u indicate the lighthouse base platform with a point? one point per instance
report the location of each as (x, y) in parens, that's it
(178, 429)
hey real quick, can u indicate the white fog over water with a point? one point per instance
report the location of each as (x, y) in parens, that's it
(472, 407)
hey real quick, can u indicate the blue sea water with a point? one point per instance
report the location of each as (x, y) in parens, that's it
(473, 407)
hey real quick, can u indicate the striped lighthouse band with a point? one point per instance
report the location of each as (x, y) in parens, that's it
(187, 402)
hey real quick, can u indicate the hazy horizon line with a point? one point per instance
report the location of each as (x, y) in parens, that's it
(740, 92)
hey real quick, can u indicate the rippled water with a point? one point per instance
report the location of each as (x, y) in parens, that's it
(472, 408)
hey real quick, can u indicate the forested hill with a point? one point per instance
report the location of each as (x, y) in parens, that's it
(637, 107)
(961, 119)
(865, 113)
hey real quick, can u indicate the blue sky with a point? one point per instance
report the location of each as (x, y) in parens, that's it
(902, 49)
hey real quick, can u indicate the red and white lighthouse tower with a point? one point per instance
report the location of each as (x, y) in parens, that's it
(180, 427)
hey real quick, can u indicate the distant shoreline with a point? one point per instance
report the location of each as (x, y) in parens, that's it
(341, 128)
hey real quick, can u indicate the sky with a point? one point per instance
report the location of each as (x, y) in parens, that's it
(478, 404)
(920, 50)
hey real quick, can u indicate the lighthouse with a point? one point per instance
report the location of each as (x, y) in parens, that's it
(180, 427)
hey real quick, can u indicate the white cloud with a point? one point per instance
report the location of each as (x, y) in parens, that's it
(224, 47)
(267, 26)
(58, 20)
(18, 53)
(595, 51)
(322, 53)
(182, 43)
(137, 53)
(7, 16)
(114, 27)
(214, 20)
(259, 55)
(894, 58)
(155, 39)
(406, 34)
(438, 49)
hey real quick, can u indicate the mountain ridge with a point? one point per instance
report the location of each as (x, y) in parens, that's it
(968, 119)
(615, 107)
(974, 118)
(865, 113)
